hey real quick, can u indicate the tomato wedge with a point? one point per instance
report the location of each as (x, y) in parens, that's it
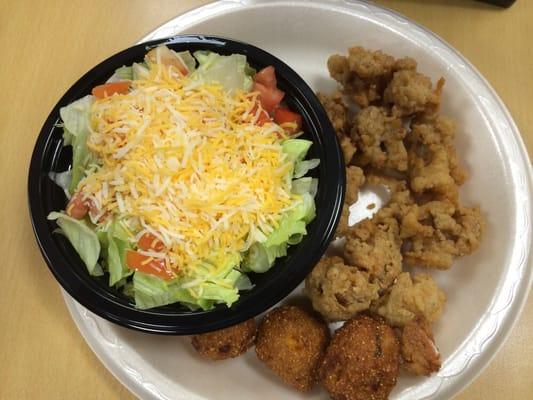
(269, 97)
(147, 265)
(284, 115)
(76, 207)
(109, 89)
(150, 242)
(267, 77)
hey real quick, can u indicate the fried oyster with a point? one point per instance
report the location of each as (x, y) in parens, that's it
(410, 297)
(338, 291)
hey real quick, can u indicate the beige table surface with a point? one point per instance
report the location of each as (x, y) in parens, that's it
(47, 44)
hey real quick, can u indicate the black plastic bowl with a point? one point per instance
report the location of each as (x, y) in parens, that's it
(270, 287)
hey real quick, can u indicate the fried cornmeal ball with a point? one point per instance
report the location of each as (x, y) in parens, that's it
(361, 362)
(291, 342)
(338, 291)
(226, 343)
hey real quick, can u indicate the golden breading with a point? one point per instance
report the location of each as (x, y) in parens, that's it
(348, 149)
(433, 162)
(226, 343)
(291, 342)
(400, 196)
(373, 245)
(369, 64)
(419, 354)
(411, 92)
(343, 226)
(410, 297)
(435, 233)
(379, 138)
(364, 74)
(337, 110)
(355, 178)
(361, 362)
(338, 291)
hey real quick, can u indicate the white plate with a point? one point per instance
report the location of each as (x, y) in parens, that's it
(486, 290)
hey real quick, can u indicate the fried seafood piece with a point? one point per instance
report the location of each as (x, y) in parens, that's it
(291, 341)
(373, 245)
(355, 178)
(433, 163)
(411, 92)
(338, 291)
(226, 343)
(364, 74)
(348, 149)
(419, 354)
(337, 111)
(409, 298)
(400, 195)
(361, 362)
(437, 232)
(379, 138)
(343, 225)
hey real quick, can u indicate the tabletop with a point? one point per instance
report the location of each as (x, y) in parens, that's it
(48, 44)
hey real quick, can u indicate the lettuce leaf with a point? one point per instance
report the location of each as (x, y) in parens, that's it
(121, 74)
(305, 185)
(296, 149)
(151, 291)
(75, 118)
(232, 71)
(139, 70)
(82, 238)
(117, 244)
(302, 167)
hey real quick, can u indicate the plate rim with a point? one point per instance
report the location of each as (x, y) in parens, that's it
(521, 169)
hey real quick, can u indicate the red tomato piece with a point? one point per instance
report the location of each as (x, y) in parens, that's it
(150, 242)
(284, 115)
(267, 77)
(148, 265)
(109, 89)
(269, 97)
(77, 208)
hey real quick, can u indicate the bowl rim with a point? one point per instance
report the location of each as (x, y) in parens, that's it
(100, 300)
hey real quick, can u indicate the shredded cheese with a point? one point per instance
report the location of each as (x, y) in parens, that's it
(187, 163)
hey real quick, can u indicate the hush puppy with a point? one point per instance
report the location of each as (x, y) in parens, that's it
(291, 342)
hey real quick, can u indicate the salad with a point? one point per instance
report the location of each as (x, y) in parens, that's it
(187, 173)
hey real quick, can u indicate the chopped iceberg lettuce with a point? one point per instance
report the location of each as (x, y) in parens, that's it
(302, 167)
(82, 238)
(122, 74)
(117, 244)
(62, 179)
(75, 118)
(305, 185)
(296, 149)
(139, 71)
(232, 71)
